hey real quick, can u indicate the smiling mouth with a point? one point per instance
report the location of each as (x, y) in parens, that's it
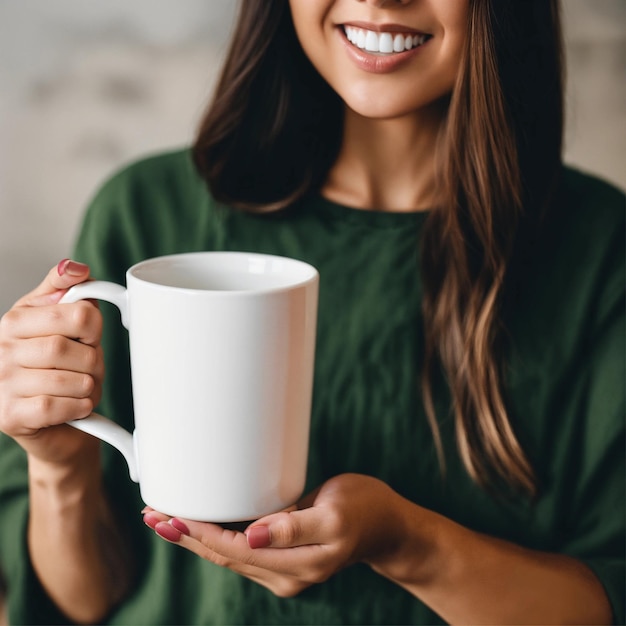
(383, 43)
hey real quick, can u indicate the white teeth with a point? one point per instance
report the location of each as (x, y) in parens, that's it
(360, 39)
(371, 42)
(383, 43)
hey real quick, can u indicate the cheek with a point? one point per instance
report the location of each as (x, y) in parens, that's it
(451, 64)
(453, 16)
(449, 57)
(310, 18)
(309, 42)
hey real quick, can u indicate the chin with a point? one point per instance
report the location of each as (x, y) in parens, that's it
(376, 108)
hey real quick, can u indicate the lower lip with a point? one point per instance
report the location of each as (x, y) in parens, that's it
(378, 63)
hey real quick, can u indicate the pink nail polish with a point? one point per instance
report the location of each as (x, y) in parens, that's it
(167, 531)
(179, 525)
(62, 266)
(72, 268)
(150, 520)
(258, 537)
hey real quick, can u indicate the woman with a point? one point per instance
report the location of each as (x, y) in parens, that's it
(411, 151)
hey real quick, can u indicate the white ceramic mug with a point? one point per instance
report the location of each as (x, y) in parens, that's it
(222, 348)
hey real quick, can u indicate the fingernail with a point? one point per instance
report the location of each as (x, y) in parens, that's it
(150, 520)
(179, 525)
(167, 531)
(258, 536)
(61, 266)
(71, 268)
(145, 510)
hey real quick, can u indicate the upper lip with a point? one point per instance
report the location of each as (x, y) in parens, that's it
(385, 28)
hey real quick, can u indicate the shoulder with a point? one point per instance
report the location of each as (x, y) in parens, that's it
(589, 224)
(588, 229)
(170, 173)
(570, 269)
(587, 200)
(150, 207)
(583, 226)
(583, 187)
(565, 318)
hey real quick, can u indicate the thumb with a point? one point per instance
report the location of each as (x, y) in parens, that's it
(293, 526)
(60, 278)
(288, 529)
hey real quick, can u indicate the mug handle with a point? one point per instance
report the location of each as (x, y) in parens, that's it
(94, 424)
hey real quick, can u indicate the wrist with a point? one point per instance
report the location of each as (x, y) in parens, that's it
(415, 552)
(75, 475)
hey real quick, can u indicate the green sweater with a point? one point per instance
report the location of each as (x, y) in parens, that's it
(565, 392)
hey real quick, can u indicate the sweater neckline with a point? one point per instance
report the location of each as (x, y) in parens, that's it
(369, 218)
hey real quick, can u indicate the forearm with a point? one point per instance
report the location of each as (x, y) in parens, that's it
(470, 578)
(75, 550)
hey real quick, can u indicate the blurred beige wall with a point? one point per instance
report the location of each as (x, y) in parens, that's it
(86, 86)
(595, 38)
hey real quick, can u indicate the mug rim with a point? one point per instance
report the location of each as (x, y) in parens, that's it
(310, 273)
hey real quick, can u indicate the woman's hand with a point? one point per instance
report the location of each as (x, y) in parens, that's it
(51, 367)
(51, 370)
(350, 518)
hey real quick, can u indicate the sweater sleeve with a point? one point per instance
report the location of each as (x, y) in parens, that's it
(27, 602)
(597, 519)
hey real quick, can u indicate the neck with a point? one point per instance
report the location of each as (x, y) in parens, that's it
(386, 165)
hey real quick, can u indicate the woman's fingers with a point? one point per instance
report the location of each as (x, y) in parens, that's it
(59, 353)
(287, 551)
(236, 546)
(297, 525)
(50, 382)
(287, 529)
(151, 518)
(29, 415)
(80, 320)
(232, 552)
(285, 572)
(290, 569)
(61, 277)
(227, 548)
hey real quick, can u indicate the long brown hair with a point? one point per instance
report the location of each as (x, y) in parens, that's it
(273, 128)
(272, 132)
